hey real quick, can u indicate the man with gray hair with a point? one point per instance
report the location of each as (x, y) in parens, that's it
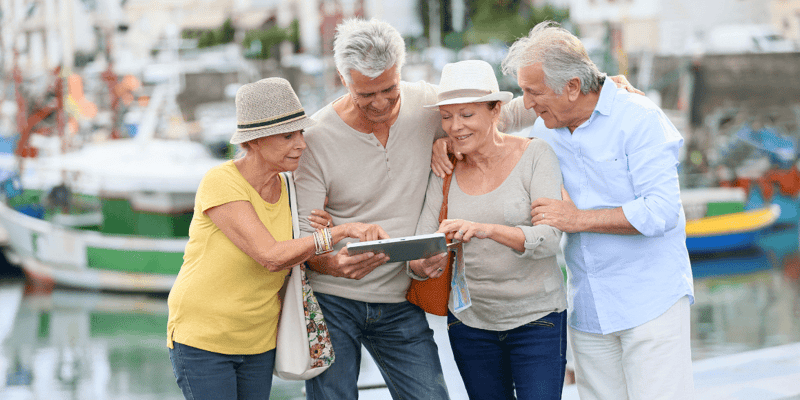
(630, 283)
(369, 154)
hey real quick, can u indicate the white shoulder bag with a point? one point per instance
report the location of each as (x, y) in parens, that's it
(304, 347)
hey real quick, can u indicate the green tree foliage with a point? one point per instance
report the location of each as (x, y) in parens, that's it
(445, 17)
(207, 38)
(294, 34)
(226, 32)
(548, 13)
(507, 20)
(259, 43)
(489, 20)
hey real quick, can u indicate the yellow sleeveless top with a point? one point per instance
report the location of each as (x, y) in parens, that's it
(223, 301)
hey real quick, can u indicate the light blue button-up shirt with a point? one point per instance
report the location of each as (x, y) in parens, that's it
(625, 155)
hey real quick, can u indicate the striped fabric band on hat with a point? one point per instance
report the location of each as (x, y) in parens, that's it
(273, 121)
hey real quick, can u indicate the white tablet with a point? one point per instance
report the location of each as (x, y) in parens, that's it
(404, 248)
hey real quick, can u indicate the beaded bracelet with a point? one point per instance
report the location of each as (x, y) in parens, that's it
(323, 242)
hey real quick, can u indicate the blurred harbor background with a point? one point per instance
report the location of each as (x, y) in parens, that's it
(73, 344)
(112, 110)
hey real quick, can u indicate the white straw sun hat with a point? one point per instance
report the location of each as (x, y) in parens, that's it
(470, 81)
(267, 107)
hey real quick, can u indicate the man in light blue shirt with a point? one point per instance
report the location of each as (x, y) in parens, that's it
(630, 283)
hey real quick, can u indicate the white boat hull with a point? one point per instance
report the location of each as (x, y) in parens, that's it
(69, 257)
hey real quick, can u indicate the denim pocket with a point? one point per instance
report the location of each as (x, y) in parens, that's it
(453, 324)
(539, 322)
(452, 321)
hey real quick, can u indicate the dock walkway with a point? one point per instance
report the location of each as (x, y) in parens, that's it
(766, 374)
(771, 373)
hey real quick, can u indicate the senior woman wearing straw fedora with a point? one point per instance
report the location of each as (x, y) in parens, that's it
(513, 336)
(224, 305)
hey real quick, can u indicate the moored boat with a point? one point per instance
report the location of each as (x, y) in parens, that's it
(729, 231)
(119, 221)
(718, 221)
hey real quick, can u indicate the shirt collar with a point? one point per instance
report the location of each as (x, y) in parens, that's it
(606, 100)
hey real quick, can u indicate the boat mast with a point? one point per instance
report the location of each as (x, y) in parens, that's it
(111, 80)
(26, 123)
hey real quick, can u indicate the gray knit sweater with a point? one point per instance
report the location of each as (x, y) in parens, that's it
(507, 288)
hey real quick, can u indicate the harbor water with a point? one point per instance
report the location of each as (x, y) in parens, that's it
(60, 343)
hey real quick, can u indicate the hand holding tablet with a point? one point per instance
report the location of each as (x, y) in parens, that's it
(404, 248)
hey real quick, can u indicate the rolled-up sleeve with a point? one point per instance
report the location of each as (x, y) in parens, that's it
(540, 241)
(654, 175)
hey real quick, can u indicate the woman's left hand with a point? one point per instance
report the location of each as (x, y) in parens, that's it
(459, 229)
(622, 82)
(320, 219)
(432, 267)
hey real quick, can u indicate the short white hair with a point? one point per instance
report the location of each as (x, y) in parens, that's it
(562, 55)
(369, 47)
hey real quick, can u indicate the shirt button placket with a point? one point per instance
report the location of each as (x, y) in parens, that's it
(388, 166)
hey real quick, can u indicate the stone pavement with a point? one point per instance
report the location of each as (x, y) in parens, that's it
(771, 373)
(767, 374)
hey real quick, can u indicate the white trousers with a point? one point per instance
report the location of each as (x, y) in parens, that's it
(649, 362)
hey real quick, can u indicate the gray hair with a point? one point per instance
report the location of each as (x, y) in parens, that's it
(369, 47)
(562, 55)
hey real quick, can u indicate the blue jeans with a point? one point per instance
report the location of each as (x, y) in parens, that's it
(397, 336)
(529, 359)
(207, 375)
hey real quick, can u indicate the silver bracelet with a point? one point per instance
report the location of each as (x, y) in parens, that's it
(323, 241)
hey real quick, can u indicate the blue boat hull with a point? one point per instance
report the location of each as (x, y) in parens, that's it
(736, 262)
(710, 244)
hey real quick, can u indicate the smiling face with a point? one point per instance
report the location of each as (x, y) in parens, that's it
(470, 125)
(280, 152)
(377, 99)
(552, 108)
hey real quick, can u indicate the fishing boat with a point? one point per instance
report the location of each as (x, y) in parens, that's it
(121, 223)
(110, 214)
(776, 186)
(717, 219)
(772, 177)
(729, 231)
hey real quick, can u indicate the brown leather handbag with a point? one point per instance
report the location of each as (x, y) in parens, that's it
(432, 295)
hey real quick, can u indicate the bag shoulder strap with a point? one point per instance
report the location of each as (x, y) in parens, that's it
(446, 189)
(292, 203)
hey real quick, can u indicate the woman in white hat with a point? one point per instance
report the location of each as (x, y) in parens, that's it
(224, 305)
(512, 338)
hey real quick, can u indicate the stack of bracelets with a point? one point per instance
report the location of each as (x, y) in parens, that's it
(323, 241)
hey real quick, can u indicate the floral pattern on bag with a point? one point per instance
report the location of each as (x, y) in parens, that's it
(319, 339)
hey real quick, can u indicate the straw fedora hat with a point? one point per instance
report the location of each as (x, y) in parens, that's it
(470, 81)
(267, 107)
